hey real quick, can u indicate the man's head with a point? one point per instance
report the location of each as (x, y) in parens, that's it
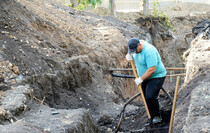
(132, 45)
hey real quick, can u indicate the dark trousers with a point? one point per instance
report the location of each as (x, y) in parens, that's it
(151, 89)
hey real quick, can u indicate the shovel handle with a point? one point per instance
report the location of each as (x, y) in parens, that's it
(145, 103)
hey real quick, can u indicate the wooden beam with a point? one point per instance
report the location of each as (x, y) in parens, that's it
(174, 68)
(175, 75)
(120, 69)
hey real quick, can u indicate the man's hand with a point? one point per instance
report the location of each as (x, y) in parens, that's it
(138, 81)
(128, 57)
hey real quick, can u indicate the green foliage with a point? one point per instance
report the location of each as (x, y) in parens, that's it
(82, 4)
(70, 5)
(162, 17)
(155, 10)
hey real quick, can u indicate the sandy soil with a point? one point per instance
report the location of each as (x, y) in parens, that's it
(57, 50)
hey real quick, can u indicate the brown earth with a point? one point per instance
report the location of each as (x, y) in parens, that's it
(193, 115)
(183, 17)
(63, 56)
(60, 58)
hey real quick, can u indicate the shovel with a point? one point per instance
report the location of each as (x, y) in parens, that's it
(144, 100)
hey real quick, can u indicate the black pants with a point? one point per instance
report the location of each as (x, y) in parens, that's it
(151, 89)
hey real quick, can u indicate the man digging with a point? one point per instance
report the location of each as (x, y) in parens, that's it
(151, 73)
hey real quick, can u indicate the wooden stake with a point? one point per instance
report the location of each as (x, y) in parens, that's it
(142, 94)
(174, 104)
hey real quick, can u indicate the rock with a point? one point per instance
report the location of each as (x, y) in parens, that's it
(41, 120)
(204, 131)
(14, 101)
(109, 130)
(15, 70)
(178, 8)
(105, 120)
(1, 79)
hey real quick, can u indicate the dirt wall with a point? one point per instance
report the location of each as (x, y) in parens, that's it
(64, 54)
(192, 112)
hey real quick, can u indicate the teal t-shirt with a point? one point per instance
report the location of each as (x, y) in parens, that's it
(147, 58)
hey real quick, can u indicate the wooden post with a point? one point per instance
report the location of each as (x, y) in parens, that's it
(174, 105)
(112, 6)
(74, 3)
(145, 7)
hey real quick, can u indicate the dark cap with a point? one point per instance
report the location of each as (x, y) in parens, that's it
(132, 45)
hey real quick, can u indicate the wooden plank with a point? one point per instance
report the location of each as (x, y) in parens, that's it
(175, 75)
(175, 68)
(120, 69)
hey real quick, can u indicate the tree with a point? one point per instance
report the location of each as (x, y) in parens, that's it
(74, 3)
(112, 7)
(145, 7)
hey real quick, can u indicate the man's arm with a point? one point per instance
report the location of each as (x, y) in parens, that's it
(148, 73)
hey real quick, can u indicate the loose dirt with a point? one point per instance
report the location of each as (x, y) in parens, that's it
(183, 18)
(63, 55)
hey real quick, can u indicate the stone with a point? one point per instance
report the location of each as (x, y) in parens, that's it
(41, 119)
(15, 70)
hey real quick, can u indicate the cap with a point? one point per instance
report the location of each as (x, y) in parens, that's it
(132, 45)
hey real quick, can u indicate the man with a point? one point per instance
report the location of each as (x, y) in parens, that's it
(151, 72)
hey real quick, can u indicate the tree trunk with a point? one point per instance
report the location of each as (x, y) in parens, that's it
(112, 6)
(145, 7)
(74, 3)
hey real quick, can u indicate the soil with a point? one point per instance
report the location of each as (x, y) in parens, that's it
(64, 55)
(183, 18)
(57, 50)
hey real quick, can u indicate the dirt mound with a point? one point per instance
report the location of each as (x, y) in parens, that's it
(100, 11)
(63, 55)
(193, 111)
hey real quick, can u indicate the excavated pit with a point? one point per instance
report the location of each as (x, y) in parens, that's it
(59, 59)
(57, 52)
